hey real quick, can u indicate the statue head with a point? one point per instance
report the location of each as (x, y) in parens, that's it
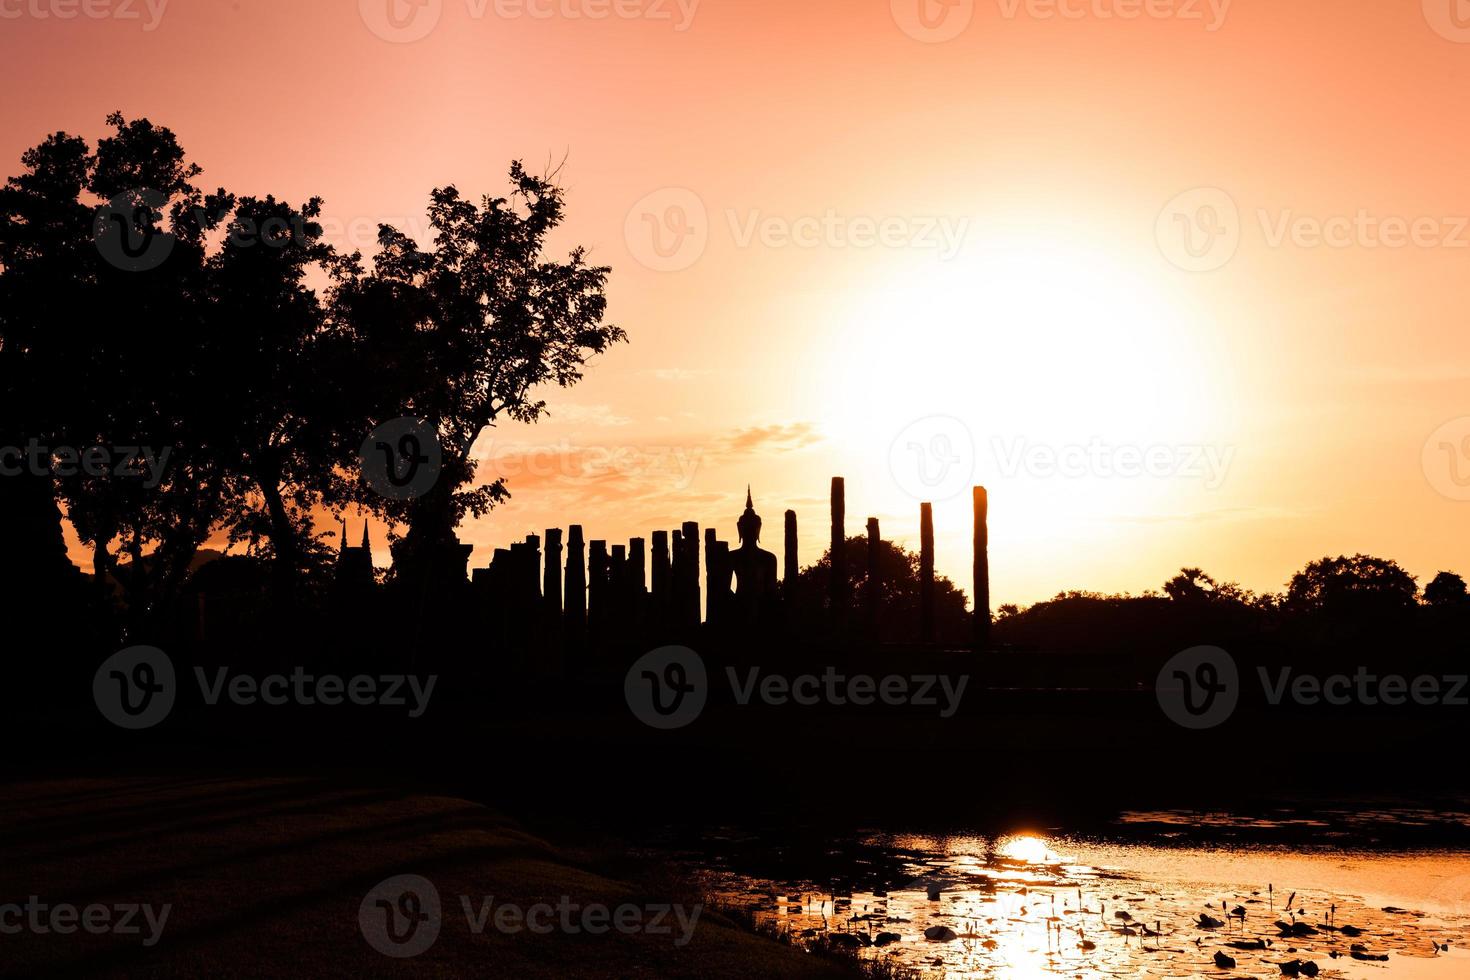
(749, 524)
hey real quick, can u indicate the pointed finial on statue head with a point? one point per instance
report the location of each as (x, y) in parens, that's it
(749, 523)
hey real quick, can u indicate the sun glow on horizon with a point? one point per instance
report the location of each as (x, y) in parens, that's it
(1055, 341)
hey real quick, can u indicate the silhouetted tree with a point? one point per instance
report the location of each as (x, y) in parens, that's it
(1445, 590)
(899, 612)
(467, 330)
(45, 267)
(1194, 586)
(290, 427)
(99, 353)
(1351, 588)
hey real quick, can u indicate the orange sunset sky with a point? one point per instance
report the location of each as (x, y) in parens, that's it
(1227, 239)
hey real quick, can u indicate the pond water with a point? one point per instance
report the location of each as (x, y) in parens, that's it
(1032, 905)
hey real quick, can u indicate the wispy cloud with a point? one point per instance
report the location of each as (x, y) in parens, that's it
(601, 415)
(1207, 516)
(676, 374)
(777, 438)
(1428, 373)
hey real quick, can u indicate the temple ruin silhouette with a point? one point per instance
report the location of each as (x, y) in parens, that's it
(559, 598)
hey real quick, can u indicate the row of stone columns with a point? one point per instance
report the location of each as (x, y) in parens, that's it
(838, 586)
(603, 592)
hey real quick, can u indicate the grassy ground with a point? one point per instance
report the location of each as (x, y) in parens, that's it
(266, 877)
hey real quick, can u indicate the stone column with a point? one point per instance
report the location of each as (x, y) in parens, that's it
(637, 564)
(678, 579)
(637, 586)
(982, 569)
(576, 617)
(617, 592)
(617, 571)
(790, 572)
(531, 574)
(551, 598)
(870, 588)
(661, 571)
(837, 586)
(526, 565)
(712, 608)
(597, 597)
(691, 573)
(551, 577)
(926, 572)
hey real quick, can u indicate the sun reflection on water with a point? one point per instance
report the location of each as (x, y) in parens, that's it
(1027, 906)
(1031, 850)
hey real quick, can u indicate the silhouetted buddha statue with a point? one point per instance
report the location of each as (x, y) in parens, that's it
(756, 580)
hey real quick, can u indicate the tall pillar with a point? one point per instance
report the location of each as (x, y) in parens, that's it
(837, 586)
(678, 579)
(528, 589)
(790, 572)
(926, 572)
(617, 570)
(551, 576)
(661, 571)
(637, 564)
(637, 597)
(617, 592)
(982, 569)
(712, 608)
(870, 586)
(597, 597)
(576, 586)
(691, 573)
(551, 600)
(530, 582)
